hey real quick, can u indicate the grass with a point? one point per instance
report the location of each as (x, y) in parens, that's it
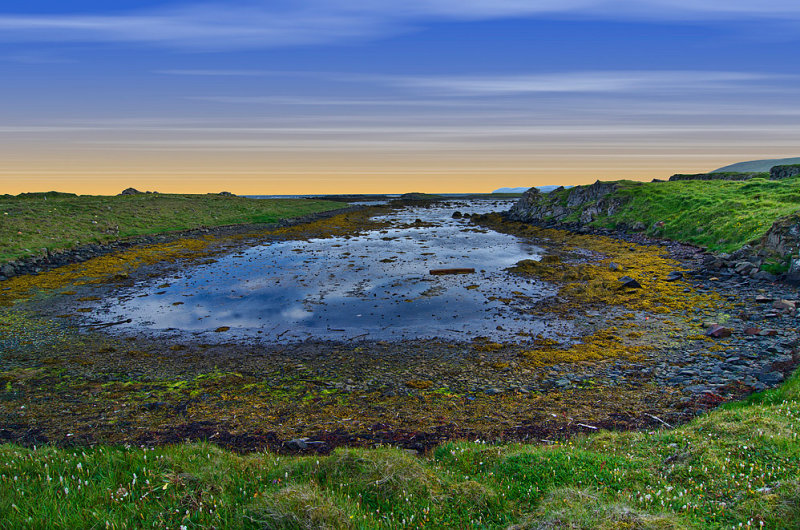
(737, 466)
(33, 222)
(719, 215)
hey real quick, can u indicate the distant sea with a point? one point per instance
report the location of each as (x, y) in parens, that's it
(365, 197)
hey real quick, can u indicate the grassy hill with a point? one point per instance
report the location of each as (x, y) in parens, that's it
(35, 221)
(757, 166)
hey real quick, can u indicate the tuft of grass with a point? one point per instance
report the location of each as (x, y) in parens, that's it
(298, 507)
(587, 510)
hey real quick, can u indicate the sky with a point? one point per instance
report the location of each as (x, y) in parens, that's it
(356, 96)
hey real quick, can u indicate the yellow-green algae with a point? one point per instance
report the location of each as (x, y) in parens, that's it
(593, 281)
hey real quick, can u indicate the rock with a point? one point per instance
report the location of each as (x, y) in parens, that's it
(768, 333)
(716, 331)
(743, 267)
(697, 389)
(770, 378)
(764, 276)
(638, 226)
(674, 276)
(226, 194)
(616, 267)
(131, 191)
(626, 282)
(752, 331)
(761, 299)
(297, 444)
(588, 202)
(784, 305)
(492, 391)
(457, 215)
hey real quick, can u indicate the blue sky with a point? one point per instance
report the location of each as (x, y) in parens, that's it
(430, 95)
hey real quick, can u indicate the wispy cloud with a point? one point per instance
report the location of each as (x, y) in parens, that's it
(269, 24)
(576, 82)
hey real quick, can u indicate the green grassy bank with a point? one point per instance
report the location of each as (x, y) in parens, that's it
(720, 215)
(738, 466)
(32, 222)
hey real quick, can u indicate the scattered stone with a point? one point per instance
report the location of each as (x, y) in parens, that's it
(752, 331)
(563, 382)
(743, 267)
(616, 267)
(761, 299)
(784, 305)
(297, 444)
(770, 378)
(674, 276)
(718, 332)
(629, 283)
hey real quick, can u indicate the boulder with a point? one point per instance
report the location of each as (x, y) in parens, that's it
(131, 191)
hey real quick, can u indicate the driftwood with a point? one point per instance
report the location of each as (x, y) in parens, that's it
(658, 420)
(109, 324)
(439, 272)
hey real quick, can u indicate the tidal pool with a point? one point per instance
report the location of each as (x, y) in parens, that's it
(374, 286)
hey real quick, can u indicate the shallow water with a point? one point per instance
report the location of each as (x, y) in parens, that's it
(373, 286)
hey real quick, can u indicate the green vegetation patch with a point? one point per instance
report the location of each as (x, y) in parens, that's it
(33, 222)
(720, 215)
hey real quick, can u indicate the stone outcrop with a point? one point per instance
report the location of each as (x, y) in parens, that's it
(586, 203)
(784, 172)
(715, 176)
(776, 173)
(130, 191)
(783, 237)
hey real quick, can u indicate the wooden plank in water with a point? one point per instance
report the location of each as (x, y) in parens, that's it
(439, 272)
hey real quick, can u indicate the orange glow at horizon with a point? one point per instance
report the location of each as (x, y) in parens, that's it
(334, 175)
